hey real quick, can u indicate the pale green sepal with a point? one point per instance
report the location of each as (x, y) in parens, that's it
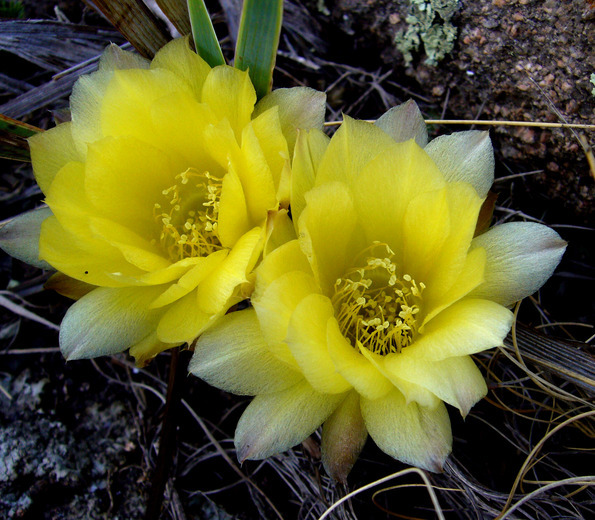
(273, 423)
(309, 149)
(300, 108)
(465, 156)
(405, 122)
(19, 237)
(413, 434)
(521, 256)
(343, 437)
(232, 355)
(114, 58)
(107, 321)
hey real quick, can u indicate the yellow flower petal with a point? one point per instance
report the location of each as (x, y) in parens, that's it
(273, 423)
(230, 94)
(299, 108)
(69, 287)
(309, 150)
(411, 433)
(404, 171)
(267, 130)
(354, 367)
(327, 232)
(411, 391)
(455, 380)
(232, 355)
(50, 151)
(353, 146)
(89, 262)
(217, 289)
(148, 348)
(426, 226)
(279, 231)
(116, 168)
(466, 327)
(464, 205)
(183, 321)
(128, 98)
(203, 267)
(284, 259)
(177, 57)
(233, 215)
(276, 304)
(307, 340)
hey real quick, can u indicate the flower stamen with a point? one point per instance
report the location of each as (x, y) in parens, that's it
(189, 228)
(375, 307)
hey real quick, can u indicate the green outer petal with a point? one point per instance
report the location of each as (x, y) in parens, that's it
(19, 237)
(299, 108)
(413, 434)
(108, 320)
(232, 355)
(343, 437)
(273, 423)
(521, 256)
(405, 122)
(115, 58)
(465, 156)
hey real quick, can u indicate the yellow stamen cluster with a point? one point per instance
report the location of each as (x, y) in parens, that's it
(375, 306)
(189, 224)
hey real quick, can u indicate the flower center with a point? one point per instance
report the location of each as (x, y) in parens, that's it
(374, 306)
(187, 217)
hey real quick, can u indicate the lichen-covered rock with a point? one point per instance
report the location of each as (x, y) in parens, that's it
(524, 60)
(52, 467)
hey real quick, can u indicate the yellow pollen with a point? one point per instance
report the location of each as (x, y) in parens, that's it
(189, 228)
(376, 308)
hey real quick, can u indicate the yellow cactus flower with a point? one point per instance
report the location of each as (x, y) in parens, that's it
(366, 322)
(158, 193)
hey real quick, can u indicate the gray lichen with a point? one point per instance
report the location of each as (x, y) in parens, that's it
(593, 81)
(429, 22)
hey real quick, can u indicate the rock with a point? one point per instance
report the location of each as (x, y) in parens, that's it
(521, 60)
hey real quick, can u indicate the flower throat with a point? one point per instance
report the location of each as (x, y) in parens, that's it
(188, 216)
(375, 308)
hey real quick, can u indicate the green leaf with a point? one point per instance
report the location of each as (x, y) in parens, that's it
(258, 40)
(13, 139)
(205, 39)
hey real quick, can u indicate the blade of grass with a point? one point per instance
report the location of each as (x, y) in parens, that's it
(258, 40)
(137, 23)
(13, 138)
(176, 12)
(205, 39)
